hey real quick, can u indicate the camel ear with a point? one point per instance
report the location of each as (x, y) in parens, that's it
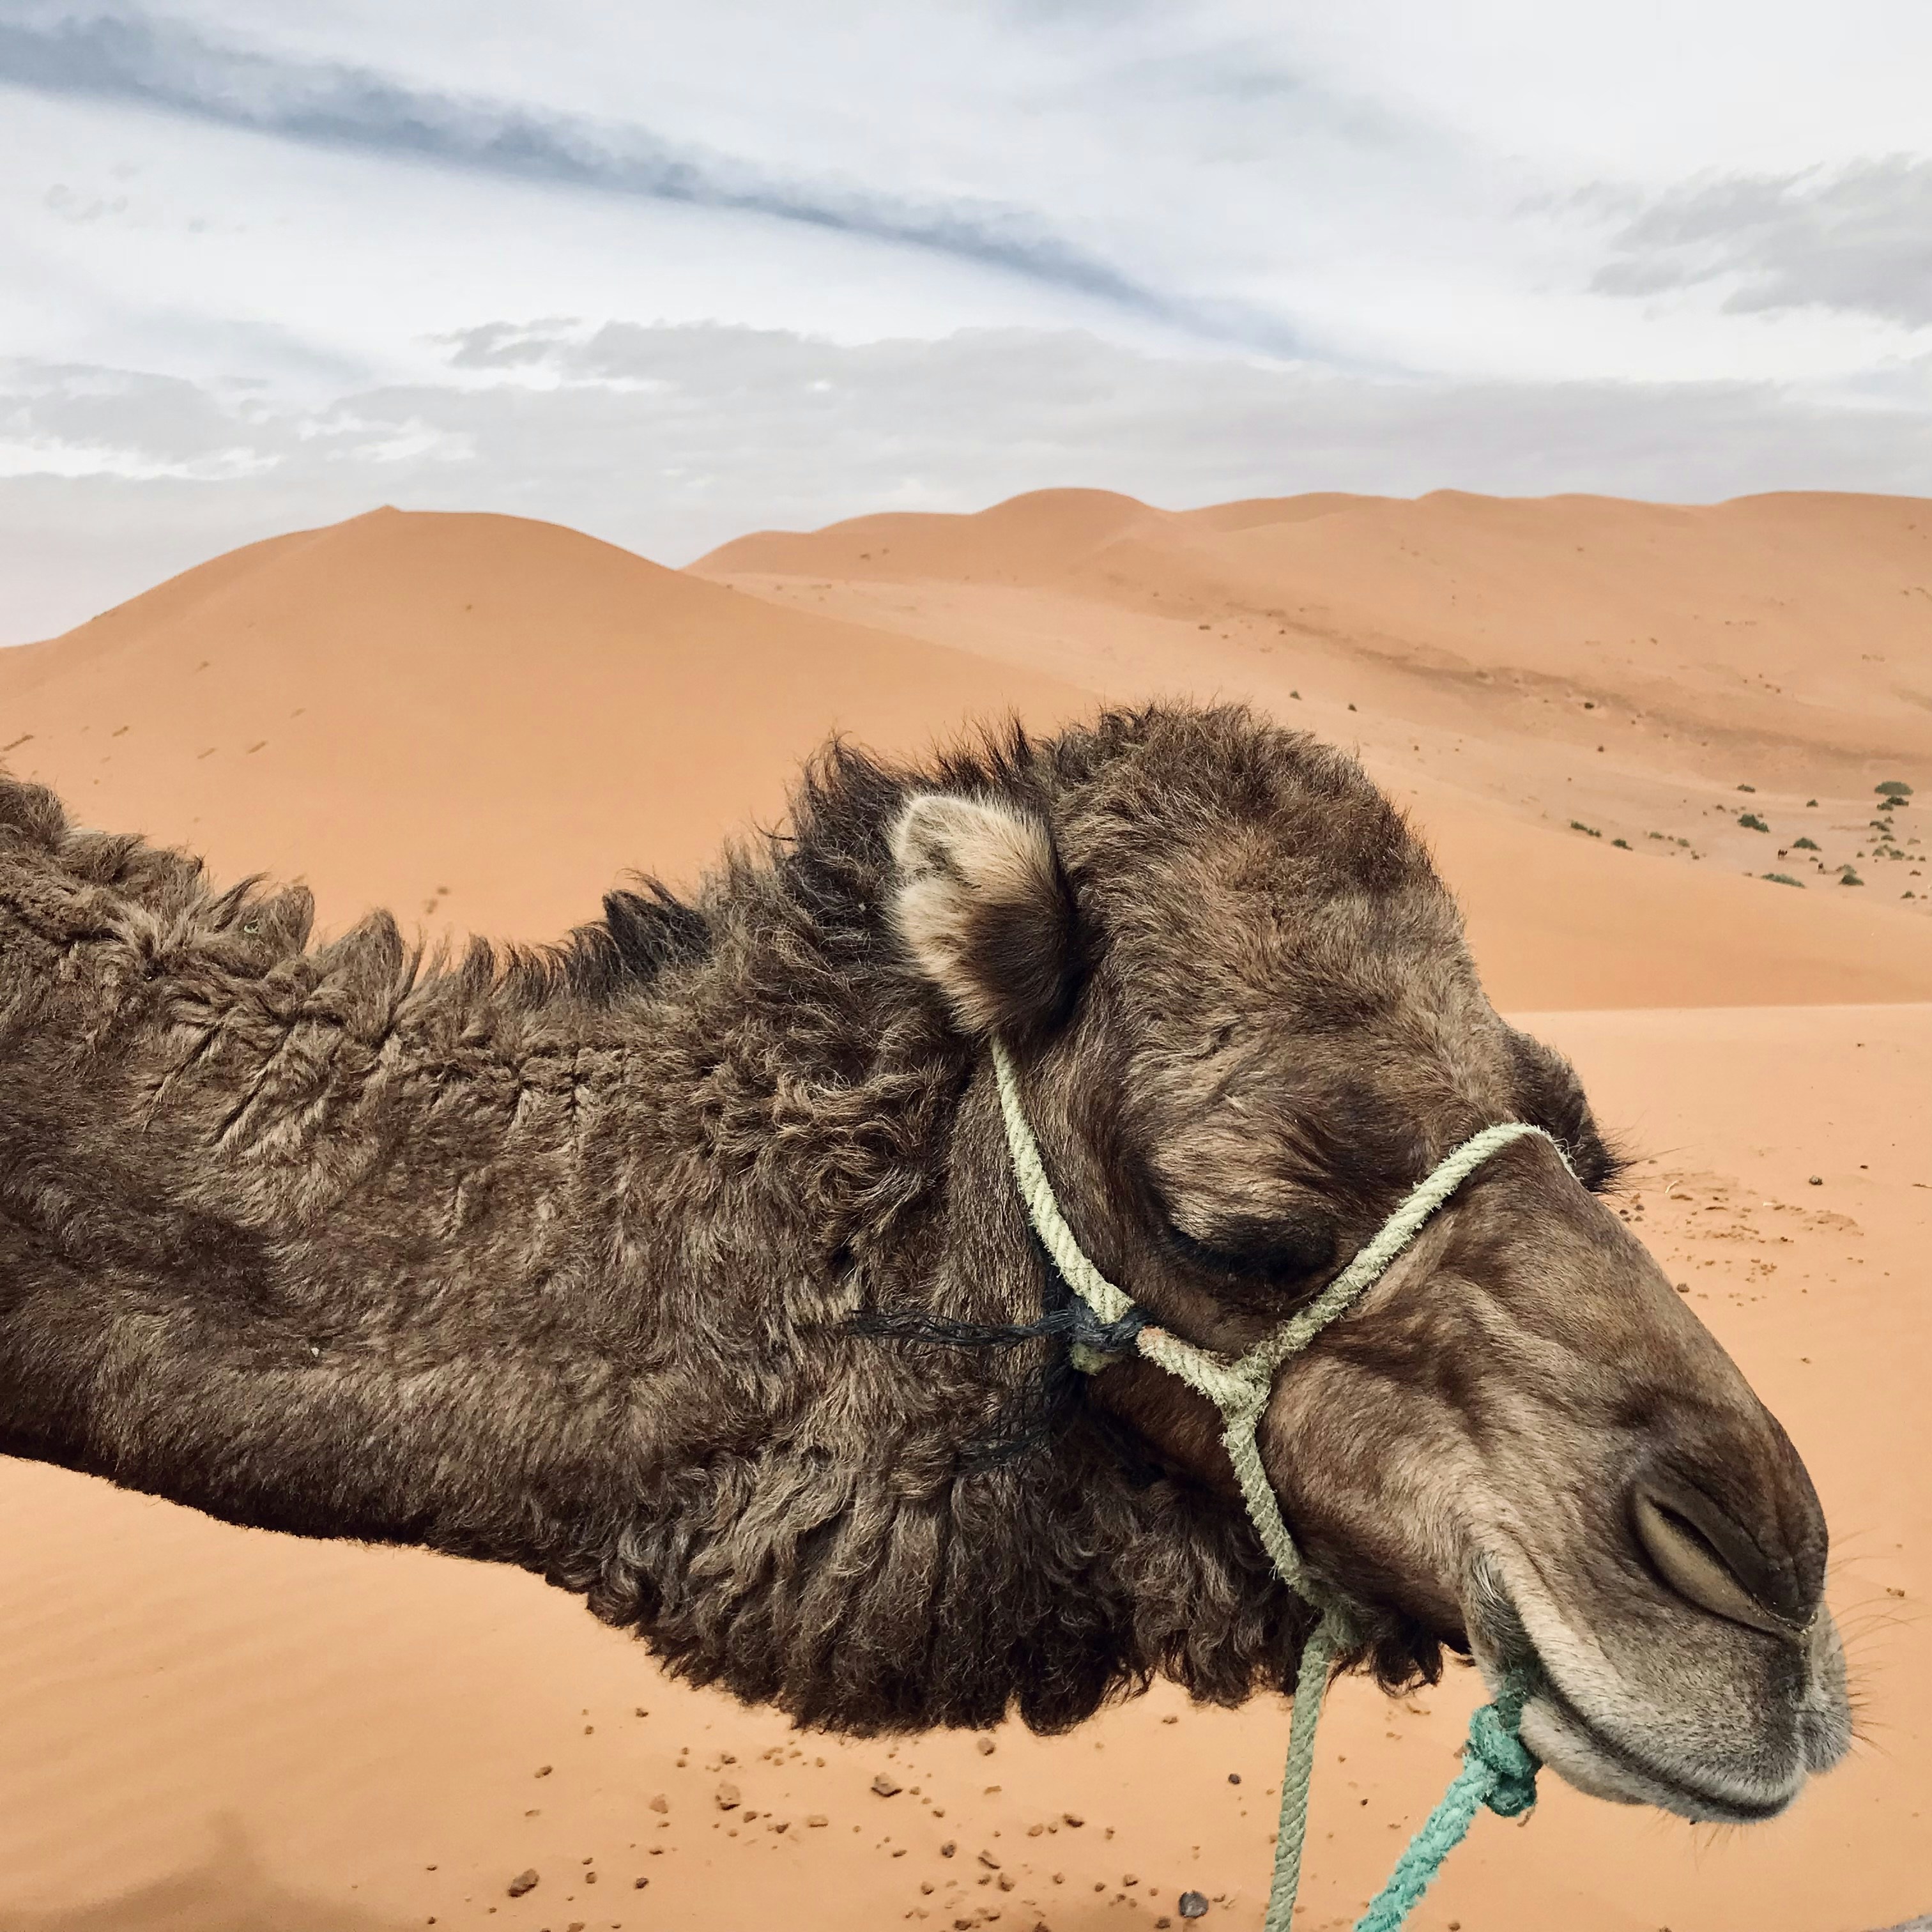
(983, 908)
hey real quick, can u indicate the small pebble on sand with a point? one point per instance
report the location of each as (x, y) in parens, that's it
(524, 1882)
(886, 1786)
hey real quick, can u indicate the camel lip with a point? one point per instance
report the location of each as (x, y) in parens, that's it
(1691, 1800)
(1501, 1642)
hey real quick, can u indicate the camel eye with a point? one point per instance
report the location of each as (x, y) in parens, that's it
(1274, 1253)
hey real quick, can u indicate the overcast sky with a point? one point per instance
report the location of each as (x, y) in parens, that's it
(669, 273)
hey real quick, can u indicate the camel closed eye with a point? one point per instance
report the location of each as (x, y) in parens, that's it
(1268, 1256)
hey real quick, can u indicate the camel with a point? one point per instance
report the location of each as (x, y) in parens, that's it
(682, 1263)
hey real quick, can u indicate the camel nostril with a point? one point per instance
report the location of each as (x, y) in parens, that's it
(1706, 1555)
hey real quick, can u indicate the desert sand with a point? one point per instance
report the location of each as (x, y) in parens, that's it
(483, 722)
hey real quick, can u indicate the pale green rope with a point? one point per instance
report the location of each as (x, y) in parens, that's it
(1499, 1769)
(1311, 1686)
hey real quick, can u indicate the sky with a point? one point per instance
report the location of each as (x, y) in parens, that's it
(669, 274)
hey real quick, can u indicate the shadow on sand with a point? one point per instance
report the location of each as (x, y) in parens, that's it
(228, 1891)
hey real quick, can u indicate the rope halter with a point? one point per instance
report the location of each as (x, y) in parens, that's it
(1499, 1770)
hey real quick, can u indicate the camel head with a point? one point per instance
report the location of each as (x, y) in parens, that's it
(1246, 1024)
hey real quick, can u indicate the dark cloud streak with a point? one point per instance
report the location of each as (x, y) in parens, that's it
(166, 66)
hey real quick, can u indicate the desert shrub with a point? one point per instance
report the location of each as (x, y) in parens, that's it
(1751, 821)
(1783, 879)
(1577, 825)
(1893, 788)
(1806, 845)
(1850, 877)
(1624, 843)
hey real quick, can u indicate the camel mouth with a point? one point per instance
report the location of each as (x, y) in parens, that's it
(1607, 1763)
(1670, 1791)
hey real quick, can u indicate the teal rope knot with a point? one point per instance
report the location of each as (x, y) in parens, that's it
(1512, 1766)
(1499, 1770)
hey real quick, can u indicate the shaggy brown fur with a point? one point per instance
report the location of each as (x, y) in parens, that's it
(552, 1259)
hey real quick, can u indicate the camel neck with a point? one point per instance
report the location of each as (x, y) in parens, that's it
(465, 1260)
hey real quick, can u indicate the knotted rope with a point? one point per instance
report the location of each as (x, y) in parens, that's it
(1499, 1770)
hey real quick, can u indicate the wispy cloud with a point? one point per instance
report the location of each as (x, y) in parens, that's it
(1858, 239)
(165, 65)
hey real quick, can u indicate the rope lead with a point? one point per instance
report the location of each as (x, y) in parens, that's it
(1498, 1768)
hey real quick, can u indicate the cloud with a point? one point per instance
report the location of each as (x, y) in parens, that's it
(165, 65)
(1858, 239)
(669, 440)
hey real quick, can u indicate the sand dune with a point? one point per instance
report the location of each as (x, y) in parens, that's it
(483, 722)
(480, 721)
(1800, 625)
